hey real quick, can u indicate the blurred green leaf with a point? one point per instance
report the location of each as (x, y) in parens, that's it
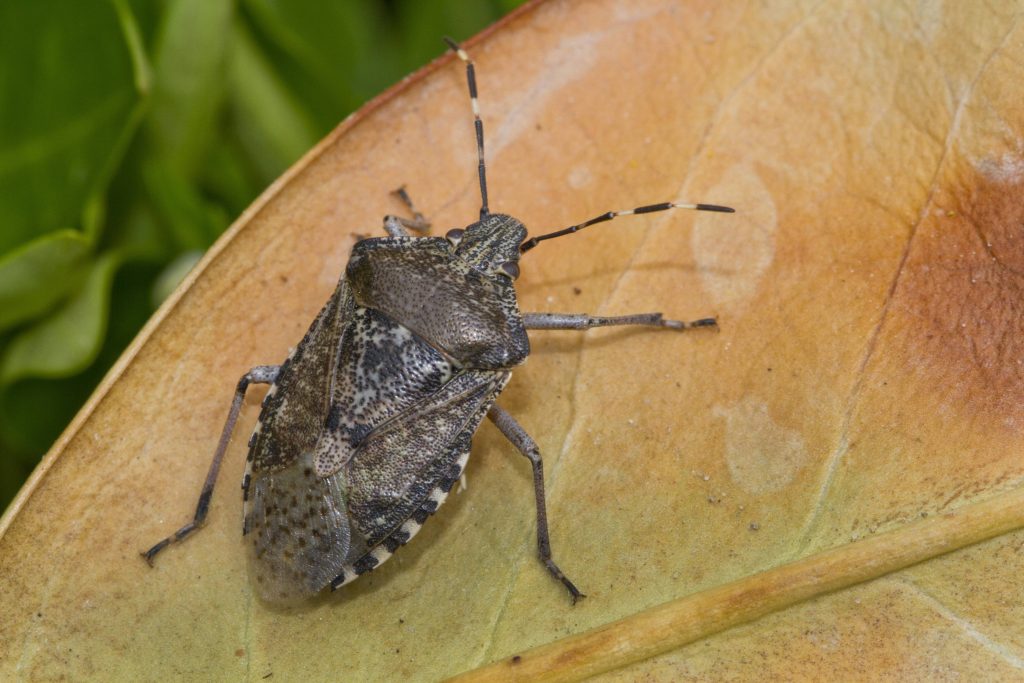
(34, 411)
(171, 276)
(37, 275)
(133, 227)
(423, 23)
(333, 56)
(132, 32)
(190, 68)
(272, 125)
(192, 221)
(60, 136)
(69, 340)
(228, 175)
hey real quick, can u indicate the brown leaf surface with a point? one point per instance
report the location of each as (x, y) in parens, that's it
(867, 373)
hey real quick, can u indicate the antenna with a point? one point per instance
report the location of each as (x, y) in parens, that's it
(477, 123)
(651, 208)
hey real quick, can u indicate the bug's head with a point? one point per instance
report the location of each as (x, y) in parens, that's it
(490, 245)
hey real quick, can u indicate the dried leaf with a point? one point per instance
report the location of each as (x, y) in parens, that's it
(867, 372)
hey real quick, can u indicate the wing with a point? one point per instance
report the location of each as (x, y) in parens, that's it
(383, 370)
(299, 536)
(295, 523)
(403, 462)
(441, 481)
(295, 408)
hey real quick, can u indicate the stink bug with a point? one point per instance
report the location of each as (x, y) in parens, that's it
(367, 424)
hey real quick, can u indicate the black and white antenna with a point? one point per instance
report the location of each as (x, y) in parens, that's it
(650, 208)
(477, 123)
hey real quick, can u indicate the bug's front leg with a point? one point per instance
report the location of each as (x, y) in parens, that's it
(528, 447)
(261, 374)
(584, 321)
(396, 226)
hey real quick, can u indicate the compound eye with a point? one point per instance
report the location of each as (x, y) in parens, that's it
(454, 235)
(510, 268)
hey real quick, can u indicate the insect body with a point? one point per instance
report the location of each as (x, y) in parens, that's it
(367, 425)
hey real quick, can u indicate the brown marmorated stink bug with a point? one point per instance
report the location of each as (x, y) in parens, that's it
(367, 424)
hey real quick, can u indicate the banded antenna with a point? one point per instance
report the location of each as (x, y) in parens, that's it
(650, 208)
(477, 123)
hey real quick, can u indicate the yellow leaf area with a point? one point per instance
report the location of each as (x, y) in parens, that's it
(828, 488)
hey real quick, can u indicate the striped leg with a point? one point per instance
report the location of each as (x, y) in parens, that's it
(526, 445)
(261, 374)
(583, 321)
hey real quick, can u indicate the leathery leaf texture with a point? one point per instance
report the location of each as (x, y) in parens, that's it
(830, 487)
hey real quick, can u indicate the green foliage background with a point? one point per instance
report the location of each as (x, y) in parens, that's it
(132, 132)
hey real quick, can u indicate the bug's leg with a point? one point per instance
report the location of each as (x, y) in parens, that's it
(526, 445)
(419, 222)
(396, 226)
(583, 321)
(261, 374)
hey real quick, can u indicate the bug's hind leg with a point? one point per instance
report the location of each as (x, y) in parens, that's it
(584, 321)
(396, 226)
(526, 445)
(261, 374)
